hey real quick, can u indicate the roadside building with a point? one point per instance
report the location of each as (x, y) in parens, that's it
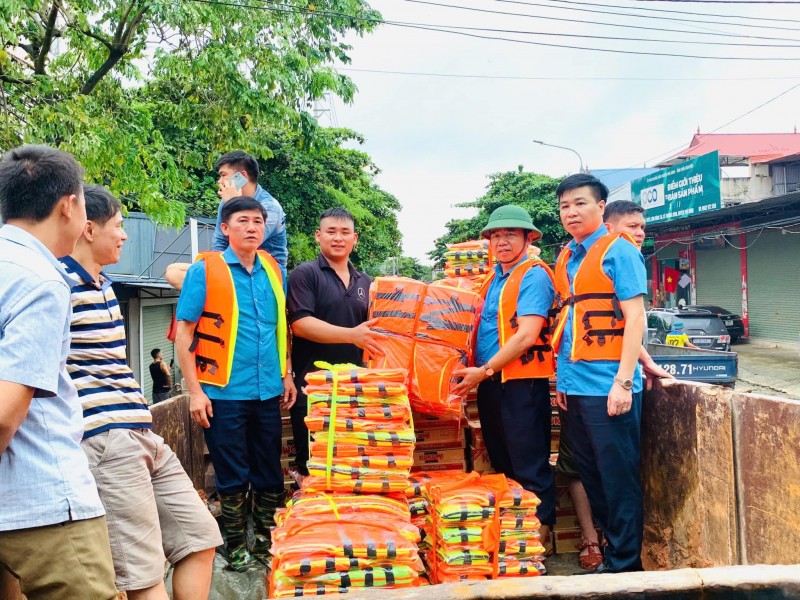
(743, 256)
(146, 300)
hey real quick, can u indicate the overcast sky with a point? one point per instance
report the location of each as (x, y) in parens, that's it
(437, 138)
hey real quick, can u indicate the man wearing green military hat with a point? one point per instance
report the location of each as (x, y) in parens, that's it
(514, 359)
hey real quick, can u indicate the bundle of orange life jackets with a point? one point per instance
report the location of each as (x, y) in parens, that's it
(429, 331)
(361, 429)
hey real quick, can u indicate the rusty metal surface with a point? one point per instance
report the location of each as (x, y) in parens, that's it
(687, 477)
(171, 421)
(767, 432)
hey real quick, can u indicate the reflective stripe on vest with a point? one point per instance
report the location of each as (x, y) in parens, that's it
(537, 361)
(214, 340)
(598, 323)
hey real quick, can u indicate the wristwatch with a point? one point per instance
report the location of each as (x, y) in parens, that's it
(626, 384)
(489, 370)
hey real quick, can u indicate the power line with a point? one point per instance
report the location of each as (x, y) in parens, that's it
(678, 12)
(543, 78)
(592, 49)
(451, 31)
(676, 149)
(755, 2)
(637, 16)
(601, 23)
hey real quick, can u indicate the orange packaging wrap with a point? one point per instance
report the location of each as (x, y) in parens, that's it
(430, 331)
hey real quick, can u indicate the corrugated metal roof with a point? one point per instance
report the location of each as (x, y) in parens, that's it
(741, 147)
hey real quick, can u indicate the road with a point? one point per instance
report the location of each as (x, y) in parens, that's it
(767, 369)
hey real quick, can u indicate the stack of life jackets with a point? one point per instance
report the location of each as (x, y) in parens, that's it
(363, 436)
(420, 507)
(520, 551)
(481, 527)
(330, 543)
(471, 260)
(430, 331)
(464, 529)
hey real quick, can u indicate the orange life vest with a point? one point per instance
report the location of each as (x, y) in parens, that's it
(214, 340)
(537, 361)
(597, 323)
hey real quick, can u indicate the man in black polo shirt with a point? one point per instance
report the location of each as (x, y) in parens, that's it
(328, 301)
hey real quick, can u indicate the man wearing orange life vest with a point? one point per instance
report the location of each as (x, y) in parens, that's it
(601, 283)
(232, 344)
(515, 359)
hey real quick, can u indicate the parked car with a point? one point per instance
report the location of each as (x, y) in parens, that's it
(733, 322)
(704, 328)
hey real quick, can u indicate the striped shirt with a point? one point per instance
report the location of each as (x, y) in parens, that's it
(109, 393)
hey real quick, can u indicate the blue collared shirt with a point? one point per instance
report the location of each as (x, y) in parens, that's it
(274, 229)
(256, 373)
(536, 295)
(44, 473)
(624, 264)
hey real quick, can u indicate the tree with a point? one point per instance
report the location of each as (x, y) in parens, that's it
(307, 180)
(146, 93)
(534, 192)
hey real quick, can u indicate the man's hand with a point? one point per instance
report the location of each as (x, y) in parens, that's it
(367, 339)
(652, 370)
(227, 191)
(472, 376)
(289, 392)
(620, 400)
(561, 400)
(200, 409)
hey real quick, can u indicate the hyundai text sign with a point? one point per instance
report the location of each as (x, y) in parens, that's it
(683, 190)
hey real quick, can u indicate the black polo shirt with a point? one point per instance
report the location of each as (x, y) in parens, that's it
(315, 290)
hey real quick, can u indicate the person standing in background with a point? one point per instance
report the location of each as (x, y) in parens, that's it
(162, 378)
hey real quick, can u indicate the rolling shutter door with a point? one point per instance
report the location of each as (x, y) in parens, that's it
(773, 285)
(719, 277)
(155, 323)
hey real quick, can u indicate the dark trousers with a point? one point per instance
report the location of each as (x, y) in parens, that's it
(298, 413)
(244, 441)
(606, 451)
(515, 422)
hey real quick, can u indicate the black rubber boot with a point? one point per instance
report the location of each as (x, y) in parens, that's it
(264, 506)
(235, 509)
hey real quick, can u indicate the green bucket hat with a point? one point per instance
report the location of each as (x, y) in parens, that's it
(510, 216)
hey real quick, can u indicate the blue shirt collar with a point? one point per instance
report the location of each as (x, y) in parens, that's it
(229, 256)
(84, 275)
(498, 270)
(589, 241)
(14, 234)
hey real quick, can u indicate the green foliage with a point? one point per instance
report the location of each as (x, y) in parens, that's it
(146, 93)
(307, 180)
(534, 192)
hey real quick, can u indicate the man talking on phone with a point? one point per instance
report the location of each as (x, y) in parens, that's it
(238, 176)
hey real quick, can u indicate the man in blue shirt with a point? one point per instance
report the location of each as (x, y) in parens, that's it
(53, 535)
(232, 344)
(599, 380)
(238, 176)
(515, 360)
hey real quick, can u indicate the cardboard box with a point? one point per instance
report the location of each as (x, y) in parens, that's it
(441, 456)
(555, 420)
(432, 435)
(567, 540)
(566, 518)
(459, 466)
(548, 543)
(288, 448)
(480, 461)
(555, 439)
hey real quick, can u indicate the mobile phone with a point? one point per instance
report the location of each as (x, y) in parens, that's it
(238, 180)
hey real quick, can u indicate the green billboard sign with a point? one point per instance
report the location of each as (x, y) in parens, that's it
(683, 190)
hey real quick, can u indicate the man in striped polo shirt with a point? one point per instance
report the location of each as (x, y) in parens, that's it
(152, 508)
